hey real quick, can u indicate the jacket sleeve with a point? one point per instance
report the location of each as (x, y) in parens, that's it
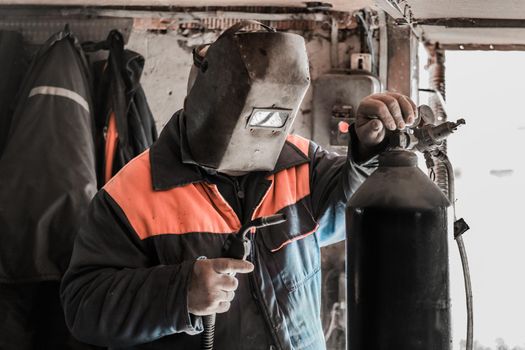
(113, 293)
(334, 179)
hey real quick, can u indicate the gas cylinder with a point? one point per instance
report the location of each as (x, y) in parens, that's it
(397, 260)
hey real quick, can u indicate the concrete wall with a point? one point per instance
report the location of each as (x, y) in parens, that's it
(165, 72)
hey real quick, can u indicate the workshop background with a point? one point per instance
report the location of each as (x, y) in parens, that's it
(358, 47)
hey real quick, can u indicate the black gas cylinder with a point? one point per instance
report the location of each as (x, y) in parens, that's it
(397, 260)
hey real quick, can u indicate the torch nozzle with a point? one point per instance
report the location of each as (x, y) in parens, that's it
(272, 220)
(453, 126)
(431, 136)
(442, 131)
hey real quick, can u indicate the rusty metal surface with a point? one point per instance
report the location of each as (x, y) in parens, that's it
(216, 24)
(36, 30)
(339, 5)
(436, 68)
(402, 60)
(463, 22)
(181, 18)
(502, 9)
(220, 20)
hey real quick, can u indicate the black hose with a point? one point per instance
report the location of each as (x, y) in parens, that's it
(462, 253)
(449, 189)
(209, 332)
(468, 292)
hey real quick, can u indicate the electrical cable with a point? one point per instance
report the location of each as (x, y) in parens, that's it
(408, 16)
(468, 292)
(369, 42)
(333, 325)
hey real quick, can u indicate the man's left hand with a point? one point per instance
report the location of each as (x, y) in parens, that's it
(378, 113)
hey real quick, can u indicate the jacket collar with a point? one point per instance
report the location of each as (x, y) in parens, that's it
(172, 166)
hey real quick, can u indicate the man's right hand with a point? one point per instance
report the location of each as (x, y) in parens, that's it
(212, 286)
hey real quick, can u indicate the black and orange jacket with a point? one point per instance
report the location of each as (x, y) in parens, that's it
(127, 283)
(124, 122)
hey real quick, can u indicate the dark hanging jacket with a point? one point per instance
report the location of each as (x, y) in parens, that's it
(14, 62)
(47, 170)
(124, 122)
(128, 280)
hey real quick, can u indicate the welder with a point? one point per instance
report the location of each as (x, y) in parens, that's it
(147, 265)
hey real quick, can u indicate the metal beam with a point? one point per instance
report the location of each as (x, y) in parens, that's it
(180, 14)
(468, 22)
(484, 47)
(402, 60)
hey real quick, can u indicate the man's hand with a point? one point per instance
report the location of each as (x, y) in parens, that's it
(376, 112)
(212, 286)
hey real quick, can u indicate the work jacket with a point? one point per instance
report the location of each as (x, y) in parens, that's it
(14, 62)
(132, 263)
(124, 122)
(47, 169)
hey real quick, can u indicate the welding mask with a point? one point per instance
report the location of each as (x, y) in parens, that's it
(246, 93)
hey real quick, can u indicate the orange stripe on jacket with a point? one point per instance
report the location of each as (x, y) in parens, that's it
(197, 207)
(284, 244)
(289, 185)
(191, 208)
(300, 142)
(111, 147)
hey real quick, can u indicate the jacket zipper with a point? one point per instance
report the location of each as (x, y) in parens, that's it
(238, 194)
(256, 293)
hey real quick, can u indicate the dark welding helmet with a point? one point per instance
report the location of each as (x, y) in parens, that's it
(246, 93)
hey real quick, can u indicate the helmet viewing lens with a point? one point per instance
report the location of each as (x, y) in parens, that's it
(269, 118)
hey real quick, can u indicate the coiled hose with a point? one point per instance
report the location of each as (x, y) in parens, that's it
(209, 332)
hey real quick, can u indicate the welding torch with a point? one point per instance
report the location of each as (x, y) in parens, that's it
(237, 246)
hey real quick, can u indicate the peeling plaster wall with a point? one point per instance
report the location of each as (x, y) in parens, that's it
(165, 72)
(168, 61)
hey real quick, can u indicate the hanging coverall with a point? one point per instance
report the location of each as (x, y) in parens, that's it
(47, 179)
